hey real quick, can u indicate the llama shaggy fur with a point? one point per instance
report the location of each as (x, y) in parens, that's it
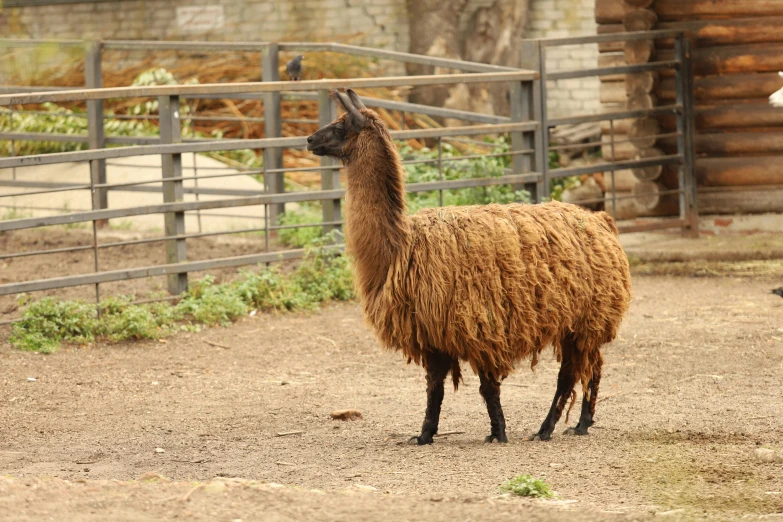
(490, 285)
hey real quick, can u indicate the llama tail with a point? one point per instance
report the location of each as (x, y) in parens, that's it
(456, 373)
(571, 406)
(609, 222)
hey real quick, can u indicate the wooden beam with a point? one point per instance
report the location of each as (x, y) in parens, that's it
(742, 171)
(750, 114)
(731, 86)
(710, 9)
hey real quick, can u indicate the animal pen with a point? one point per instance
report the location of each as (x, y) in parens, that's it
(528, 125)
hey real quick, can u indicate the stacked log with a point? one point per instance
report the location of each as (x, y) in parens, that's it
(737, 51)
(632, 138)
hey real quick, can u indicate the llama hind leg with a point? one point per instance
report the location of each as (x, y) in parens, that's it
(589, 401)
(437, 365)
(490, 390)
(566, 379)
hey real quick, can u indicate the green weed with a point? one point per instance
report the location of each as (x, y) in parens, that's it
(527, 486)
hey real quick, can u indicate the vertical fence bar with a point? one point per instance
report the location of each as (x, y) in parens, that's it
(690, 139)
(440, 169)
(614, 190)
(533, 107)
(521, 110)
(192, 126)
(95, 124)
(684, 143)
(174, 222)
(273, 157)
(13, 143)
(330, 178)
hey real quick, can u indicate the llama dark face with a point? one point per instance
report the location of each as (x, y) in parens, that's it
(336, 139)
(330, 140)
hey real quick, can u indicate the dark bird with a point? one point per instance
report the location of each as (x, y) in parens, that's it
(294, 68)
(778, 291)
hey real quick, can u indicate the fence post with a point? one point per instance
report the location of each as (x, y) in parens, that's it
(532, 106)
(685, 141)
(330, 178)
(170, 132)
(95, 126)
(273, 158)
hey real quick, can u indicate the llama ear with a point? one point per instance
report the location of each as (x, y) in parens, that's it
(341, 99)
(355, 99)
(355, 120)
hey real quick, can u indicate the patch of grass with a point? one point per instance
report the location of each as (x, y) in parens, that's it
(299, 237)
(527, 486)
(483, 167)
(320, 277)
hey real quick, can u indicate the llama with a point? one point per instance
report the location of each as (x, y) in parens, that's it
(488, 285)
(776, 98)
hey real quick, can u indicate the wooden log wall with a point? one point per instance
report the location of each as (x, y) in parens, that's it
(737, 51)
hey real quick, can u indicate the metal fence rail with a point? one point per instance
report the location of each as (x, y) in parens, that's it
(527, 125)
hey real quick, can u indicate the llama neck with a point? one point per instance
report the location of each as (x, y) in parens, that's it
(377, 224)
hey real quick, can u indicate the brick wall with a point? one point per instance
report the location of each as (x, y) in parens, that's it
(383, 22)
(563, 18)
(377, 23)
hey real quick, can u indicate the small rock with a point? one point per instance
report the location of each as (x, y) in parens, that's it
(555, 465)
(670, 513)
(215, 487)
(362, 487)
(31, 379)
(765, 455)
(346, 415)
(160, 450)
(155, 383)
(152, 476)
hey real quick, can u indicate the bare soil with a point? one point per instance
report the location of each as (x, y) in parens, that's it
(691, 388)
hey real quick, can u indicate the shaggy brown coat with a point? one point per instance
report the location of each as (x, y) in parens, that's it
(490, 285)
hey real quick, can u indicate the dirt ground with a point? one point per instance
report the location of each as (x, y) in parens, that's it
(692, 388)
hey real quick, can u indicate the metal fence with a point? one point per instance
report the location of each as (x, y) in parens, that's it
(527, 125)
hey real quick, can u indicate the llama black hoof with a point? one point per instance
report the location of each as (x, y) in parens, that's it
(578, 430)
(502, 439)
(540, 436)
(420, 440)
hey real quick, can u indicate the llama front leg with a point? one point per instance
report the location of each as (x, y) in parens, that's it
(490, 390)
(437, 365)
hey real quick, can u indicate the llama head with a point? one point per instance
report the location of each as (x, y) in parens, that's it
(354, 130)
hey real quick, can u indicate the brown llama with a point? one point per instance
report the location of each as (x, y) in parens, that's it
(490, 285)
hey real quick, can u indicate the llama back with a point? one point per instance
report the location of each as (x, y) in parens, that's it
(498, 283)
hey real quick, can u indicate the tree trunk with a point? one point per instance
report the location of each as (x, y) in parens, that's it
(732, 200)
(491, 34)
(434, 30)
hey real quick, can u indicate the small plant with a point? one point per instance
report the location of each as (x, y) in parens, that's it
(299, 237)
(527, 486)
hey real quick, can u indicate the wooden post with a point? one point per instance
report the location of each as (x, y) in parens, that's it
(95, 128)
(330, 178)
(273, 158)
(170, 132)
